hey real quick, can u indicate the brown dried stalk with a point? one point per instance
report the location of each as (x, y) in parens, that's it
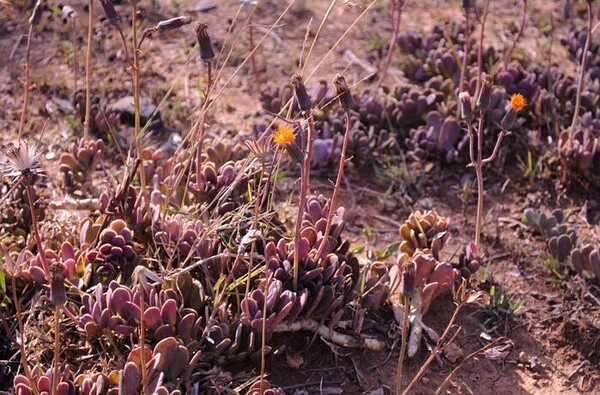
(582, 66)
(26, 84)
(396, 7)
(508, 56)
(88, 71)
(464, 361)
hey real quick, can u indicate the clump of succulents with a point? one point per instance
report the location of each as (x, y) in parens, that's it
(168, 312)
(264, 388)
(44, 382)
(185, 240)
(439, 138)
(325, 282)
(418, 279)
(78, 165)
(563, 243)
(586, 260)
(424, 231)
(215, 179)
(469, 261)
(114, 251)
(575, 43)
(166, 363)
(515, 79)
(411, 106)
(230, 342)
(580, 148)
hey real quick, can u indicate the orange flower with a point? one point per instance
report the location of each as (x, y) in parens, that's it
(283, 136)
(517, 101)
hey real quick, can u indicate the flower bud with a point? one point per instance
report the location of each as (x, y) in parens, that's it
(110, 12)
(36, 14)
(465, 105)
(485, 92)
(58, 295)
(343, 92)
(206, 49)
(407, 284)
(173, 23)
(300, 92)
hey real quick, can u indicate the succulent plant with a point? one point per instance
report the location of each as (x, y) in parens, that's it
(78, 165)
(229, 342)
(265, 389)
(424, 231)
(563, 243)
(469, 261)
(43, 382)
(325, 282)
(185, 239)
(439, 138)
(586, 259)
(115, 250)
(432, 278)
(515, 79)
(579, 149)
(167, 362)
(214, 180)
(411, 106)
(168, 312)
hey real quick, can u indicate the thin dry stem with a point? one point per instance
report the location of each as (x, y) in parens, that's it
(480, 49)
(19, 314)
(396, 16)
(88, 71)
(582, 66)
(56, 360)
(403, 345)
(441, 344)
(508, 56)
(26, 91)
(464, 361)
(336, 189)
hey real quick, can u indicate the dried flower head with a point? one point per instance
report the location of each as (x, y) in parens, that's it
(300, 92)
(343, 91)
(206, 49)
(517, 101)
(111, 14)
(173, 23)
(19, 160)
(465, 105)
(283, 135)
(485, 92)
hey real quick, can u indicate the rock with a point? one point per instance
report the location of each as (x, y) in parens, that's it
(125, 108)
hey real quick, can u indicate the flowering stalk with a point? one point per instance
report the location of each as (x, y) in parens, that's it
(88, 71)
(582, 66)
(207, 55)
(347, 103)
(56, 361)
(480, 49)
(508, 56)
(306, 106)
(19, 314)
(517, 102)
(34, 20)
(26, 84)
(396, 14)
